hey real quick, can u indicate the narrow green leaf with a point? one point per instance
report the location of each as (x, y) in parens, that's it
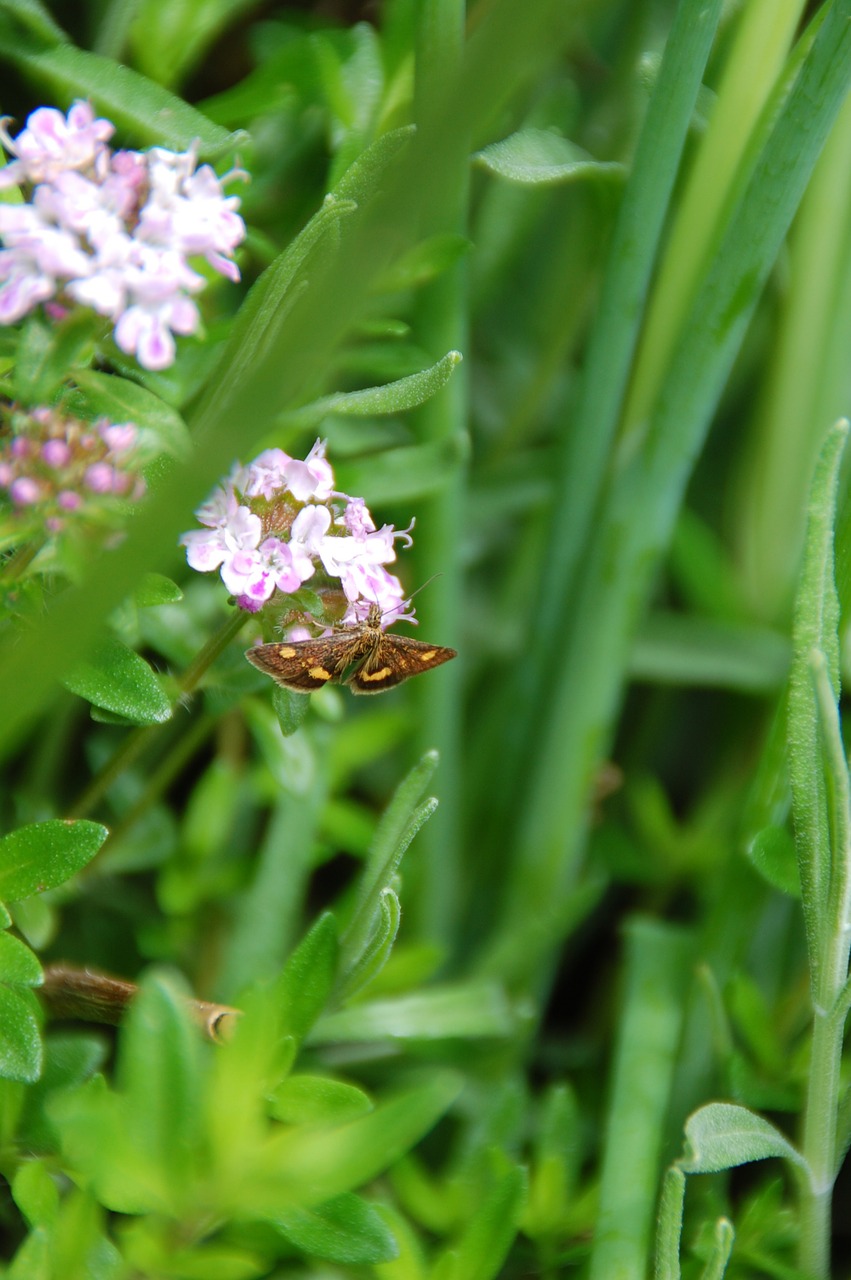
(305, 984)
(302, 1099)
(361, 180)
(393, 397)
(535, 157)
(143, 110)
(490, 1232)
(466, 1011)
(722, 1136)
(169, 39)
(346, 1230)
(36, 19)
(45, 854)
(18, 965)
(376, 953)
(815, 628)
(20, 1042)
(118, 680)
(399, 825)
(722, 1247)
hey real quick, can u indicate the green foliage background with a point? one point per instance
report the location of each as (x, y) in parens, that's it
(632, 221)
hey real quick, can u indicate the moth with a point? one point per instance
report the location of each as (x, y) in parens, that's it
(361, 656)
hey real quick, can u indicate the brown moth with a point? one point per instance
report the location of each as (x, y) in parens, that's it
(361, 656)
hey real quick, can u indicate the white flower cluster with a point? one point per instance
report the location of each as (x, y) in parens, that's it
(273, 524)
(112, 230)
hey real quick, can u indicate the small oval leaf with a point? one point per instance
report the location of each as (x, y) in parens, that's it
(20, 1042)
(721, 1136)
(118, 680)
(303, 1099)
(45, 854)
(19, 967)
(534, 157)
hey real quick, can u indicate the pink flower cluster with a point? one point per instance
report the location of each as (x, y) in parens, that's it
(64, 467)
(275, 523)
(111, 230)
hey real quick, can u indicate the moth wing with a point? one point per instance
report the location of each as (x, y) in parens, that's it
(300, 665)
(395, 659)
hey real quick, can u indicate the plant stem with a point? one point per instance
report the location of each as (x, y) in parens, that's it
(819, 1146)
(822, 1108)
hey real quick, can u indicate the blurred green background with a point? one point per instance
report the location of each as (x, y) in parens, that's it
(632, 220)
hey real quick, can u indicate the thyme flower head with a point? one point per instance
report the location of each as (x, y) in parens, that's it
(278, 523)
(56, 469)
(111, 230)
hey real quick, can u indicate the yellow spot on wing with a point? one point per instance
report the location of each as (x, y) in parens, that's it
(286, 651)
(318, 673)
(427, 657)
(382, 674)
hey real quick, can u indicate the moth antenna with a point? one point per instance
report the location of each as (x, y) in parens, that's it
(407, 600)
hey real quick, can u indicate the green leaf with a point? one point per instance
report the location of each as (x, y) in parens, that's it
(400, 823)
(393, 397)
(309, 1166)
(291, 709)
(376, 953)
(20, 1042)
(688, 650)
(408, 474)
(33, 1260)
(535, 157)
(425, 262)
(361, 180)
(772, 853)
(18, 965)
(159, 1074)
(147, 113)
(46, 854)
(490, 1232)
(345, 1229)
(35, 1193)
(815, 631)
(301, 1099)
(69, 1059)
(118, 680)
(466, 1011)
(163, 430)
(305, 984)
(35, 18)
(154, 589)
(48, 353)
(169, 39)
(722, 1136)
